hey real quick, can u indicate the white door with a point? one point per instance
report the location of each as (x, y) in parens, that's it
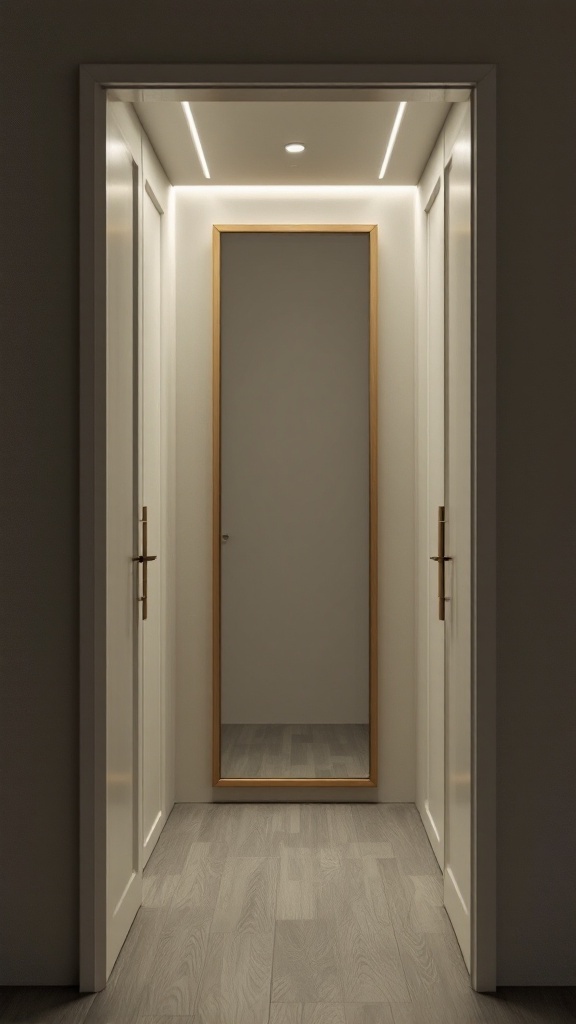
(457, 858)
(444, 474)
(137, 726)
(152, 662)
(124, 874)
(430, 501)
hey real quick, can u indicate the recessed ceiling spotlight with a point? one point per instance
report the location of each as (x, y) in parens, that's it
(294, 147)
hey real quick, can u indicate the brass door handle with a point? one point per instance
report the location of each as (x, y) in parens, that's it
(143, 560)
(441, 558)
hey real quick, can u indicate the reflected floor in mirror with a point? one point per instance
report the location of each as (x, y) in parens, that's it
(295, 752)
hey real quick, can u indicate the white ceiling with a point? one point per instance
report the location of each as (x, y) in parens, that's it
(243, 139)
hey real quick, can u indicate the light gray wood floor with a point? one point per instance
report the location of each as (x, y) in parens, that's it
(295, 752)
(290, 914)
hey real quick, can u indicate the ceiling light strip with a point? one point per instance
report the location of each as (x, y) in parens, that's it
(392, 139)
(323, 190)
(194, 133)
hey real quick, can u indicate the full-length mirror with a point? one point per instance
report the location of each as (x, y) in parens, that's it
(295, 584)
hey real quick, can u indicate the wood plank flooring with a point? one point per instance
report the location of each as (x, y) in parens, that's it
(295, 752)
(290, 914)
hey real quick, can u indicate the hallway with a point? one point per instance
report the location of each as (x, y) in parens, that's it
(291, 914)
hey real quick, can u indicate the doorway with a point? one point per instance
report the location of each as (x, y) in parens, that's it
(94, 289)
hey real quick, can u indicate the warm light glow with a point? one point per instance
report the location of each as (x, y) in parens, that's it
(194, 133)
(294, 147)
(328, 191)
(392, 139)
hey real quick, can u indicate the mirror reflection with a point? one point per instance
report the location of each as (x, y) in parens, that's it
(294, 490)
(295, 751)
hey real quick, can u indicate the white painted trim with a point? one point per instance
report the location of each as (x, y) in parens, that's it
(374, 76)
(94, 80)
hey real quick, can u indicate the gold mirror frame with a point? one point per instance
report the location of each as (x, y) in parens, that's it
(371, 780)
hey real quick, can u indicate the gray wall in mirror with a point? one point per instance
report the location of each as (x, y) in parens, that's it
(295, 497)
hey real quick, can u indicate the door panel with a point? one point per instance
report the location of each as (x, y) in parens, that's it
(457, 876)
(124, 878)
(152, 679)
(434, 803)
(430, 497)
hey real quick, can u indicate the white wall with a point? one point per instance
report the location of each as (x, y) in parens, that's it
(197, 209)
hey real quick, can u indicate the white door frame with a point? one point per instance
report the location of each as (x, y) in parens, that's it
(95, 80)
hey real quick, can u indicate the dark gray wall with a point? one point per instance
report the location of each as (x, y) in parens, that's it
(42, 43)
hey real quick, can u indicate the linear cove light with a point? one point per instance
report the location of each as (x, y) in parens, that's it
(194, 133)
(392, 139)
